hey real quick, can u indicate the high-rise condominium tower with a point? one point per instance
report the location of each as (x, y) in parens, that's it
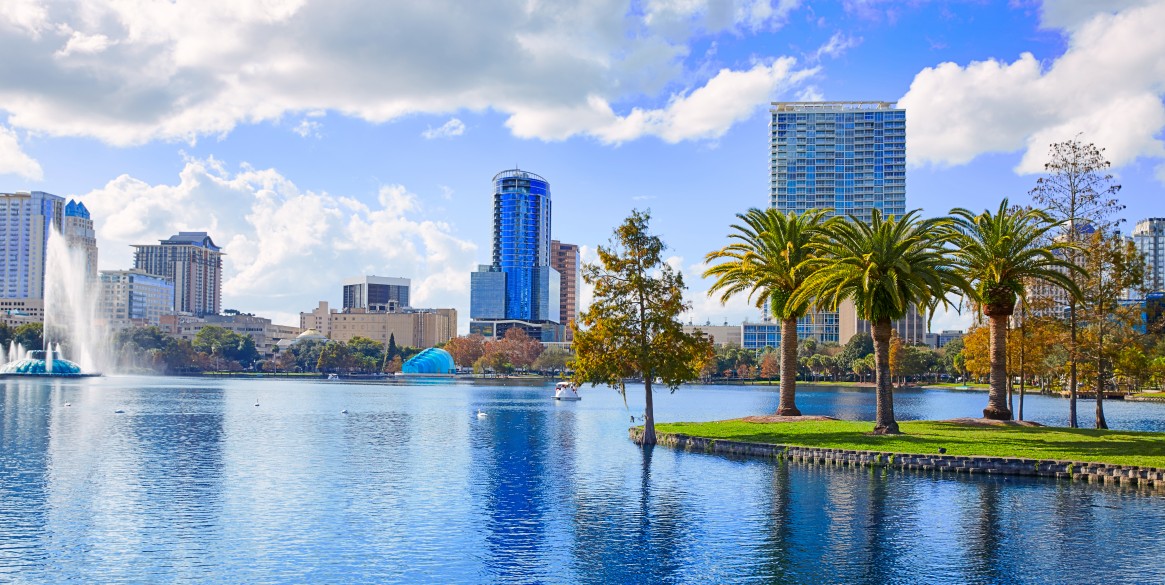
(847, 157)
(193, 263)
(78, 230)
(1149, 237)
(26, 220)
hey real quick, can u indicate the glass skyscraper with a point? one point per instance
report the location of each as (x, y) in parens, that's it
(520, 284)
(846, 157)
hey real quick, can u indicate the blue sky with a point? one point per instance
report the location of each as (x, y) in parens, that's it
(317, 141)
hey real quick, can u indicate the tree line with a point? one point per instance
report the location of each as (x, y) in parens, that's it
(996, 261)
(213, 348)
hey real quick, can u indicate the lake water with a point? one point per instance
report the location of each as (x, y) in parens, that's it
(195, 483)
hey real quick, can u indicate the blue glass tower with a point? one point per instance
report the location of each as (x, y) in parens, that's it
(521, 243)
(519, 286)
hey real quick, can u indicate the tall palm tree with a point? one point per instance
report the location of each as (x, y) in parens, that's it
(999, 255)
(885, 267)
(766, 260)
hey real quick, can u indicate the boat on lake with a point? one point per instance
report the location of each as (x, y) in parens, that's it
(566, 391)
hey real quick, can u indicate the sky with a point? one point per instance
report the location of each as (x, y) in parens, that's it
(317, 140)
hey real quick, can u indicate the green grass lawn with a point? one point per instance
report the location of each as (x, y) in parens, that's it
(926, 437)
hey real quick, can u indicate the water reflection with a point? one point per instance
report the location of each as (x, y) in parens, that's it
(194, 483)
(512, 460)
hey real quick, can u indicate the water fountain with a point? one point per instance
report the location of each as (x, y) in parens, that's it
(70, 304)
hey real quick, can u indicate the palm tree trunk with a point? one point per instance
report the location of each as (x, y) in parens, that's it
(648, 414)
(884, 423)
(997, 398)
(788, 404)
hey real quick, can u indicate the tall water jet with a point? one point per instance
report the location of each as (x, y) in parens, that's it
(70, 304)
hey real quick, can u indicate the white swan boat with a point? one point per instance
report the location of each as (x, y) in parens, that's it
(566, 391)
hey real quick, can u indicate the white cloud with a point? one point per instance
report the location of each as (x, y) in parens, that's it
(704, 113)
(129, 72)
(13, 160)
(453, 127)
(1108, 85)
(837, 45)
(308, 128)
(285, 248)
(683, 16)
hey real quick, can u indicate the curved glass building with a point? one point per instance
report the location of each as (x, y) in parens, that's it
(521, 242)
(431, 361)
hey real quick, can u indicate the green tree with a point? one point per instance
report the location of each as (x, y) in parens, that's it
(335, 357)
(632, 327)
(30, 335)
(767, 260)
(222, 342)
(367, 354)
(1000, 255)
(1079, 192)
(886, 267)
(392, 351)
(307, 354)
(858, 347)
(553, 359)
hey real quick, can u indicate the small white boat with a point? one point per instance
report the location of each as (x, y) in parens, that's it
(566, 391)
(333, 376)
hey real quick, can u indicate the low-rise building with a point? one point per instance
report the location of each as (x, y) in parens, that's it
(407, 326)
(939, 340)
(265, 333)
(721, 335)
(17, 312)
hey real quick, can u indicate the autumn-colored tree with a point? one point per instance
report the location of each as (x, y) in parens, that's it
(977, 352)
(896, 347)
(770, 365)
(466, 350)
(632, 327)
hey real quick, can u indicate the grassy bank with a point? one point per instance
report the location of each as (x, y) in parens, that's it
(927, 437)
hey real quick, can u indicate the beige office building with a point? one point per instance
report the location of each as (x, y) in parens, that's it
(408, 327)
(265, 333)
(721, 335)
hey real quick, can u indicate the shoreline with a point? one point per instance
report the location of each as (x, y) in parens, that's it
(1091, 472)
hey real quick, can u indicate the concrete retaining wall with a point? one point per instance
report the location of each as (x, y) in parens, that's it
(1148, 477)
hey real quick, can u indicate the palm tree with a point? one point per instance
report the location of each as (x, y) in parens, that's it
(885, 267)
(767, 260)
(999, 255)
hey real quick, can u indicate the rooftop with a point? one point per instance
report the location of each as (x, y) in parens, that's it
(831, 106)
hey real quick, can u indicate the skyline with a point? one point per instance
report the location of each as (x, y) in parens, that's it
(382, 165)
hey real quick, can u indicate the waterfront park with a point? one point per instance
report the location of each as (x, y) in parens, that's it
(660, 473)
